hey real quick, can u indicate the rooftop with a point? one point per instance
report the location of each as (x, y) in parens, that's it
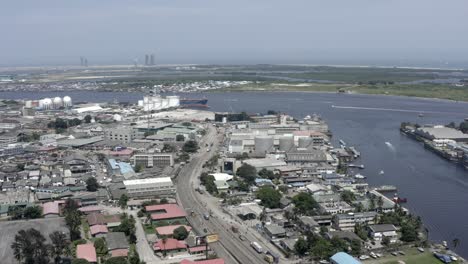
(148, 181)
(169, 230)
(86, 251)
(344, 258)
(171, 244)
(165, 211)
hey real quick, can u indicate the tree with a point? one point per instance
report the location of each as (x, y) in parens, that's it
(60, 243)
(360, 231)
(127, 225)
(32, 212)
(164, 241)
(72, 218)
(321, 249)
(87, 119)
(184, 157)
(92, 184)
(139, 168)
(123, 201)
(180, 138)
(101, 247)
(268, 174)
(464, 127)
(304, 204)
(209, 182)
(356, 247)
(301, 247)
(248, 173)
(408, 233)
(180, 233)
(269, 196)
(348, 196)
(190, 146)
(116, 260)
(380, 203)
(168, 148)
(29, 245)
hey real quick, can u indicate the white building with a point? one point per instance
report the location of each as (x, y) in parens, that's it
(150, 187)
(150, 103)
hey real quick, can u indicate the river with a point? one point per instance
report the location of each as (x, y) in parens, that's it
(435, 188)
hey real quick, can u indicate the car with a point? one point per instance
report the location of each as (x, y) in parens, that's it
(363, 257)
(395, 253)
(420, 249)
(243, 238)
(401, 253)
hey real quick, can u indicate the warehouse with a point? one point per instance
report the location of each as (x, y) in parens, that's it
(150, 187)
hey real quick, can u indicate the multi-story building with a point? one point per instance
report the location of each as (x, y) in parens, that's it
(7, 139)
(150, 187)
(122, 134)
(347, 222)
(152, 160)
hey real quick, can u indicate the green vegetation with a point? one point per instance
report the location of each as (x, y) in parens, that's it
(72, 218)
(412, 256)
(80, 261)
(168, 148)
(248, 173)
(190, 146)
(269, 196)
(116, 260)
(127, 225)
(348, 196)
(101, 247)
(61, 124)
(209, 182)
(304, 204)
(180, 233)
(29, 247)
(92, 184)
(410, 225)
(30, 212)
(123, 201)
(267, 174)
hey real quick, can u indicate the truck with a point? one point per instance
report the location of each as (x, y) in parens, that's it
(257, 247)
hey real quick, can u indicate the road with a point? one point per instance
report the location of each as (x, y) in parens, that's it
(229, 247)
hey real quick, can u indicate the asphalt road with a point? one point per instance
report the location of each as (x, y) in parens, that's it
(229, 247)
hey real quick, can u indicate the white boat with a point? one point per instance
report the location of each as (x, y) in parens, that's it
(359, 176)
(381, 172)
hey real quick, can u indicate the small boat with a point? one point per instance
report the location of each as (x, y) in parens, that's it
(356, 166)
(399, 200)
(381, 172)
(342, 143)
(421, 115)
(359, 176)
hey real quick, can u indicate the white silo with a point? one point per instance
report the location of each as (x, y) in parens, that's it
(164, 103)
(67, 101)
(46, 103)
(304, 142)
(57, 102)
(263, 144)
(286, 143)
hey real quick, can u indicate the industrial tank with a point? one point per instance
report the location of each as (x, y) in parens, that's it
(286, 143)
(304, 142)
(45, 103)
(57, 102)
(173, 101)
(67, 101)
(263, 144)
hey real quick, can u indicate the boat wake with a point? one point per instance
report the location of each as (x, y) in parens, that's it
(389, 109)
(390, 146)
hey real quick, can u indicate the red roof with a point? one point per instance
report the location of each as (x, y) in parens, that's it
(97, 229)
(209, 261)
(50, 208)
(197, 249)
(86, 251)
(91, 208)
(171, 244)
(169, 230)
(119, 252)
(165, 211)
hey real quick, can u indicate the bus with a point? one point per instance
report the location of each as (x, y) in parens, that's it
(257, 247)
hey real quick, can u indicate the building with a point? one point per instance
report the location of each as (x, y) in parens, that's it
(153, 160)
(343, 258)
(86, 251)
(7, 139)
(168, 231)
(119, 168)
(98, 230)
(378, 232)
(305, 157)
(275, 231)
(209, 261)
(348, 221)
(442, 132)
(117, 244)
(150, 187)
(171, 245)
(122, 134)
(170, 213)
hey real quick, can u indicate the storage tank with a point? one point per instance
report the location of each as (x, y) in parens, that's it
(67, 101)
(57, 102)
(286, 143)
(164, 103)
(304, 142)
(46, 103)
(263, 144)
(156, 103)
(173, 100)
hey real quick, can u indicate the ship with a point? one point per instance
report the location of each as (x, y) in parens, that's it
(194, 103)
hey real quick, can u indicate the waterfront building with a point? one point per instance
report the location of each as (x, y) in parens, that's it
(442, 132)
(348, 221)
(378, 232)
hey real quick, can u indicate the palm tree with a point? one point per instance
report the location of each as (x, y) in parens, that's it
(455, 243)
(380, 203)
(164, 240)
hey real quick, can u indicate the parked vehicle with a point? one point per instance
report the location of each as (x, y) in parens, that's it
(257, 247)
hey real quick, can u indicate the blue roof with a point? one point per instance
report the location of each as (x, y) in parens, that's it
(113, 164)
(261, 180)
(122, 166)
(343, 258)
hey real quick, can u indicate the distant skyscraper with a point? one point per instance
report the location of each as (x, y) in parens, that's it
(152, 59)
(146, 59)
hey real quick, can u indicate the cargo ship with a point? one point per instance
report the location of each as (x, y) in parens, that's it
(194, 103)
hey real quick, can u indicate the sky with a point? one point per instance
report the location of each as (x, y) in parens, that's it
(358, 32)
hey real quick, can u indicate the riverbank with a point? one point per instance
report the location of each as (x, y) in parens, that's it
(431, 91)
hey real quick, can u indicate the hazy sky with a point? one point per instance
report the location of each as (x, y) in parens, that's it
(238, 31)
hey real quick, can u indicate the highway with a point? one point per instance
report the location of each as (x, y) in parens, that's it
(229, 247)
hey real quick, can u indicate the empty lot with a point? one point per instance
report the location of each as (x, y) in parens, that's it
(8, 230)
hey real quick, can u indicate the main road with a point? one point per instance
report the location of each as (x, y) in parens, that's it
(229, 247)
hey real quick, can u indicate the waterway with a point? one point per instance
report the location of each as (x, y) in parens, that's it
(436, 189)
